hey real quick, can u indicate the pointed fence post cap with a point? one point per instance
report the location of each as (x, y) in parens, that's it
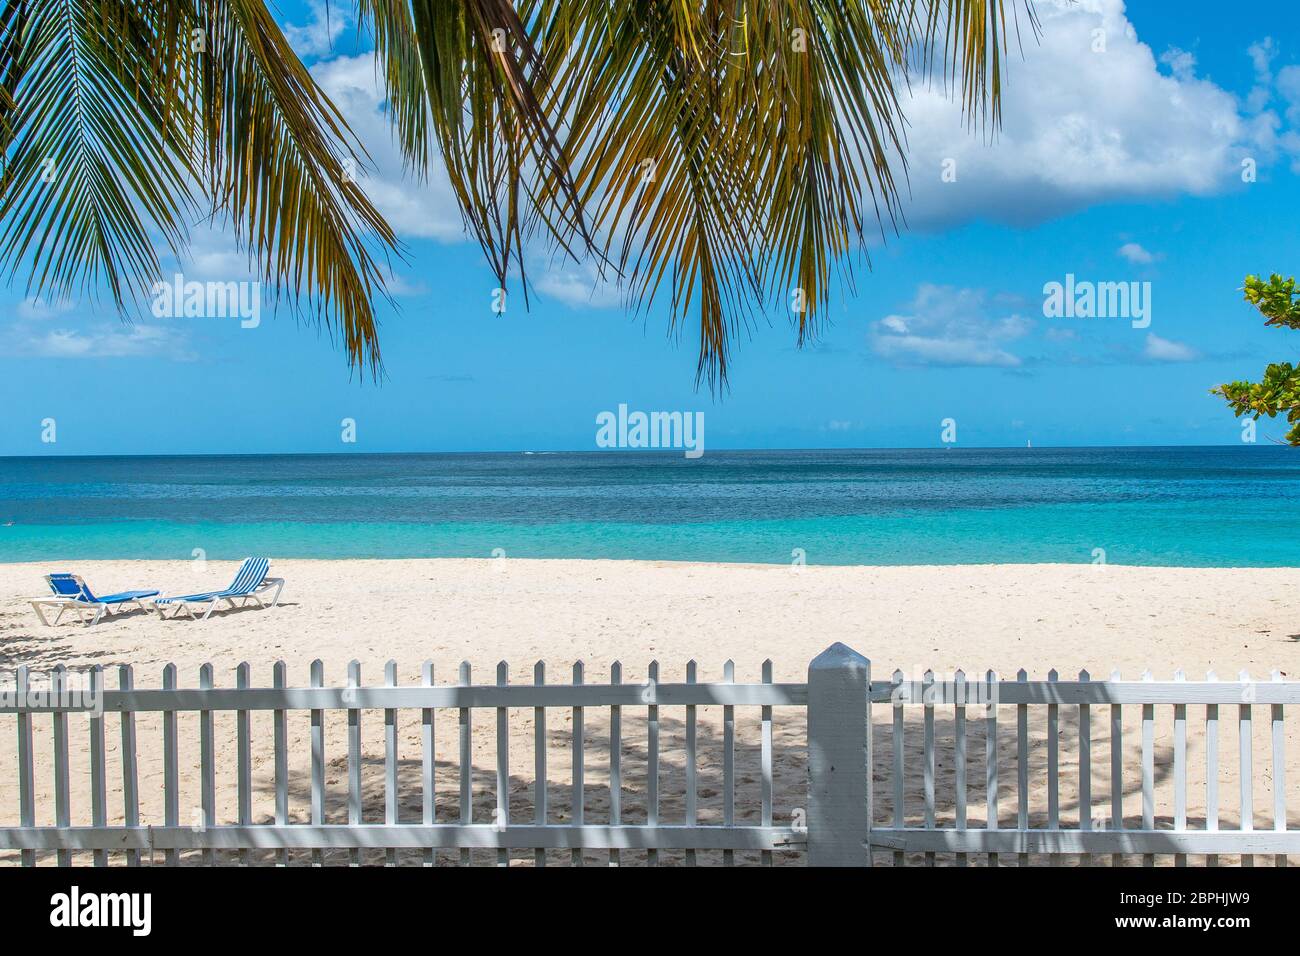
(837, 656)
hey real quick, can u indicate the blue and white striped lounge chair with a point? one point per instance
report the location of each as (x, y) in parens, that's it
(250, 584)
(70, 592)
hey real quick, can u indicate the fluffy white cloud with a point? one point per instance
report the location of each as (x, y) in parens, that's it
(1167, 350)
(1088, 116)
(575, 284)
(423, 209)
(317, 36)
(949, 326)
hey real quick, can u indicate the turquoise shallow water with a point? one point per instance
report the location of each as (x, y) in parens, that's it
(1220, 506)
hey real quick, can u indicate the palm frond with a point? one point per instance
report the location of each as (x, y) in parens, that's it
(735, 149)
(275, 167)
(89, 167)
(120, 120)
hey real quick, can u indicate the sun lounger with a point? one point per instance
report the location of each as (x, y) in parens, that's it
(250, 584)
(71, 593)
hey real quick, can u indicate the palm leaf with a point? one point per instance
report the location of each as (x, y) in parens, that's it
(117, 128)
(275, 152)
(88, 170)
(768, 157)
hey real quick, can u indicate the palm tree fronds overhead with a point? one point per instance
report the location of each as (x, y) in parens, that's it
(728, 157)
(737, 150)
(121, 121)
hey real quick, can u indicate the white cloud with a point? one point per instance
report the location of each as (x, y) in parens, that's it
(576, 284)
(1079, 127)
(38, 309)
(317, 36)
(422, 209)
(1181, 63)
(1167, 350)
(1288, 85)
(213, 255)
(949, 326)
(1135, 254)
(45, 330)
(1261, 56)
(100, 340)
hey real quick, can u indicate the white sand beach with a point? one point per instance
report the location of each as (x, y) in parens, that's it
(1003, 617)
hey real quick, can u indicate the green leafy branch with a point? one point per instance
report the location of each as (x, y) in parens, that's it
(1279, 391)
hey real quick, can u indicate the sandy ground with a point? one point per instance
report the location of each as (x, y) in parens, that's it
(1002, 617)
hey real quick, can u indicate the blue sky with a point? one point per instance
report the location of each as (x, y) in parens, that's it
(1118, 164)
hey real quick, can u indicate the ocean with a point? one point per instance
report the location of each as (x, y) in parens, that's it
(1195, 507)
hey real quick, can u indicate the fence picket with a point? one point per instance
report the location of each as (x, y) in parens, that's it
(98, 791)
(26, 773)
(1279, 773)
(900, 816)
(1022, 766)
(281, 738)
(207, 765)
(354, 758)
(766, 764)
(130, 776)
(991, 756)
(391, 794)
(728, 762)
(539, 761)
(959, 734)
(171, 794)
(652, 759)
(244, 767)
(62, 807)
(1180, 770)
(1246, 764)
(1053, 768)
(1116, 771)
(1148, 770)
(466, 764)
(503, 765)
(615, 759)
(1085, 768)
(428, 763)
(928, 757)
(692, 809)
(1211, 771)
(579, 753)
(317, 760)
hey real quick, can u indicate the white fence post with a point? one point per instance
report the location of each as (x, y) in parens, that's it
(839, 758)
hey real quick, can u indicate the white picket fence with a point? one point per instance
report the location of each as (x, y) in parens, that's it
(840, 678)
(502, 833)
(839, 825)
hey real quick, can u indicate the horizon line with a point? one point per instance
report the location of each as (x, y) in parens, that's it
(625, 452)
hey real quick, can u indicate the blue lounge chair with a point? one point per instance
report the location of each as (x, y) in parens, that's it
(250, 584)
(72, 593)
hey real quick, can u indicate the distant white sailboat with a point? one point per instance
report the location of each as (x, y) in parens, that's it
(1029, 443)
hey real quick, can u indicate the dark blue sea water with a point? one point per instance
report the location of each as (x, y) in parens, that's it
(1214, 506)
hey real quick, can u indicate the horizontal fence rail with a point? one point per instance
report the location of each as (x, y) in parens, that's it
(921, 770)
(412, 698)
(1089, 692)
